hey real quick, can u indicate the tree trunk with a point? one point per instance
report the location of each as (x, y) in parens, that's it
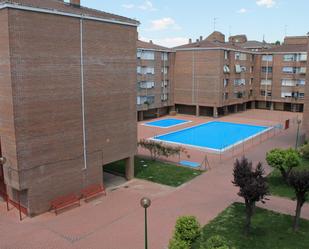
(249, 212)
(284, 175)
(299, 205)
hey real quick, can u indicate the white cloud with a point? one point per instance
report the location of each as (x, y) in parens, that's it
(163, 23)
(128, 6)
(242, 11)
(147, 5)
(169, 41)
(266, 3)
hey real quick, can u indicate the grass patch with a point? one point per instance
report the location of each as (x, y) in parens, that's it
(270, 230)
(155, 171)
(278, 187)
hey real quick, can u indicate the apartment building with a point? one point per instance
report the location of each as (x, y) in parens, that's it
(154, 80)
(68, 98)
(213, 77)
(305, 124)
(282, 76)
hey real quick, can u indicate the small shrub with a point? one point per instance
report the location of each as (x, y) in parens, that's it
(187, 229)
(178, 244)
(304, 151)
(216, 242)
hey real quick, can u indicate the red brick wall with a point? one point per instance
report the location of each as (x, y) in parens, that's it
(46, 80)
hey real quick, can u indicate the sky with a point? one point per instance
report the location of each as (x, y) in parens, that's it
(172, 22)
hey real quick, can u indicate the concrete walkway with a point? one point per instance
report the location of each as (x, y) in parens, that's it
(116, 221)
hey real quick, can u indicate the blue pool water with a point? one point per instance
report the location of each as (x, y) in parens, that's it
(166, 123)
(213, 135)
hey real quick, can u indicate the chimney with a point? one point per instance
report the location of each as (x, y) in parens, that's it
(201, 38)
(190, 41)
(75, 3)
(150, 41)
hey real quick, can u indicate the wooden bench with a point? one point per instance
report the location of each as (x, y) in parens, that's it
(93, 191)
(64, 202)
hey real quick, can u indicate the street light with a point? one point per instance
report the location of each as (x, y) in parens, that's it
(297, 134)
(145, 203)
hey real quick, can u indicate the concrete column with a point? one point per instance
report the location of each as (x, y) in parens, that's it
(253, 105)
(226, 110)
(235, 108)
(272, 106)
(129, 168)
(215, 113)
(141, 116)
(197, 112)
(245, 106)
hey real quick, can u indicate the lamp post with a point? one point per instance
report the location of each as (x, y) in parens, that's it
(145, 203)
(297, 134)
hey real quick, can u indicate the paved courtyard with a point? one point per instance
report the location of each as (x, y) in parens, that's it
(116, 221)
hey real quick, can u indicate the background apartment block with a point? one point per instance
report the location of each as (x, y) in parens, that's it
(213, 77)
(154, 80)
(306, 111)
(282, 76)
(68, 97)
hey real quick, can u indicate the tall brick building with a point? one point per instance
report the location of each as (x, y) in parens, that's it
(68, 97)
(154, 79)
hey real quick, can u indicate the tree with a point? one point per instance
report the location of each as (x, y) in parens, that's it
(252, 186)
(283, 160)
(299, 180)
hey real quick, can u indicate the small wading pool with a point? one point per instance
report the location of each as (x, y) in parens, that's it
(167, 123)
(215, 136)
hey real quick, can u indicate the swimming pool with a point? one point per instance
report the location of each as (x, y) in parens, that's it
(167, 123)
(216, 135)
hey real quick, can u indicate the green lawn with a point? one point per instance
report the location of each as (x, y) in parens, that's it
(270, 230)
(159, 172)
(279, 187)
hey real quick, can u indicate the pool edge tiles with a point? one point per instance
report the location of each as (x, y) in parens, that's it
(151, 123)
(210, 149)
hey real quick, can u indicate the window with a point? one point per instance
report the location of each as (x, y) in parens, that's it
(239, 95)
(267, 69)
(288, 82)
(301, 95)
(302, 70)
(146, 84)
(251, 69)
(237, 68)
(226, 69)
(148, 70)
(303, 57)
(146, 55)
(288, 70)
(141, 100)
(225, 82)
(164, 97)
(286, 94)
(243, 68)
(289, 57)
(164, 70)
(165, 83)
(251, 81)
(267, 58)
(252, 57)
(266, 82)
(239, 82)
(226, 55)
(139, 54)
(301, 82)
(240, 56)
(225, 96)
(265, 93)
(164, 56)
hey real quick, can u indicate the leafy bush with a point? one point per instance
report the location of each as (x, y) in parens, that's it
(283, 160)
(304, 151)
(178, 244)
(159, 149)
(187, 230)
(216, 242)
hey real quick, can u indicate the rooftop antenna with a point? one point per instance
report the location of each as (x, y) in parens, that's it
(264, 38)
(215, 23)
(285, 30)
(230, 30)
